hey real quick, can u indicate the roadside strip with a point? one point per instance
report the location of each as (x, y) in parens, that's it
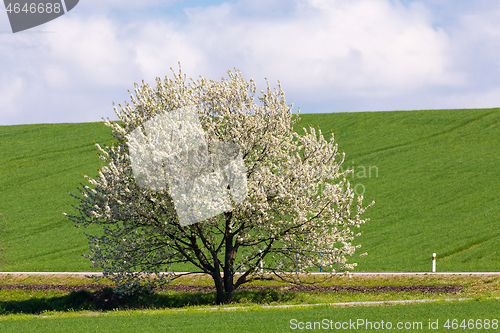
(312, 273)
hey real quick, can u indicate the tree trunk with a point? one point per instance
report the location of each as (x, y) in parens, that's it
(221, 293)
(229, 287)
(224, 288)
(225, 284)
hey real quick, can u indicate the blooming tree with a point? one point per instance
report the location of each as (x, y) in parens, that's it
(298, 211)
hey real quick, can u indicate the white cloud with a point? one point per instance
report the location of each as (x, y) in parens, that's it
(359, 47)
(92, 49)
(366, 47)
(469, 100)
(11, 94)
(329, 55)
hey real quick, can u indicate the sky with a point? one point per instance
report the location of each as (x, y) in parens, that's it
(329, 55)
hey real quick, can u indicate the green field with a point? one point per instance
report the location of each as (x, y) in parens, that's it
(414, 317)
(433, 175)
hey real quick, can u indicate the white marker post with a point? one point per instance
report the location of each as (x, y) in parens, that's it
(433, 263)
(261, 263)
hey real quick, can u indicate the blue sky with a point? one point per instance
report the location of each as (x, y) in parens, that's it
(329, 55)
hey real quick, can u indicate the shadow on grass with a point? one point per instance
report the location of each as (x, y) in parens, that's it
(105, 299)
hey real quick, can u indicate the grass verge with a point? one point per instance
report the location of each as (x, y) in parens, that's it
(422, 317)
(16, 303)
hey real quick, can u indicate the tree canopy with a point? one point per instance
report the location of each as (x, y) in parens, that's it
(295, 209)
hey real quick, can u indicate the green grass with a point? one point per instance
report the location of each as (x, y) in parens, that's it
(56, 311)
(39, 164)
(436, 190)
(434, 177)
(276, 320)
(15, 302)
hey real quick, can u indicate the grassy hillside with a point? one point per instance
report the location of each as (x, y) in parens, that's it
(437, 186)
(39, 164)
(433, 175)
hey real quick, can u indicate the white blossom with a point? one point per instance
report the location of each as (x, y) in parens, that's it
(299, 211)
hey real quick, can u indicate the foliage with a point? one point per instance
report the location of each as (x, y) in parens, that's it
(299, 213)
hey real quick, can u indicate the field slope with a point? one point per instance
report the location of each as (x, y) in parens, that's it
(433, 175)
